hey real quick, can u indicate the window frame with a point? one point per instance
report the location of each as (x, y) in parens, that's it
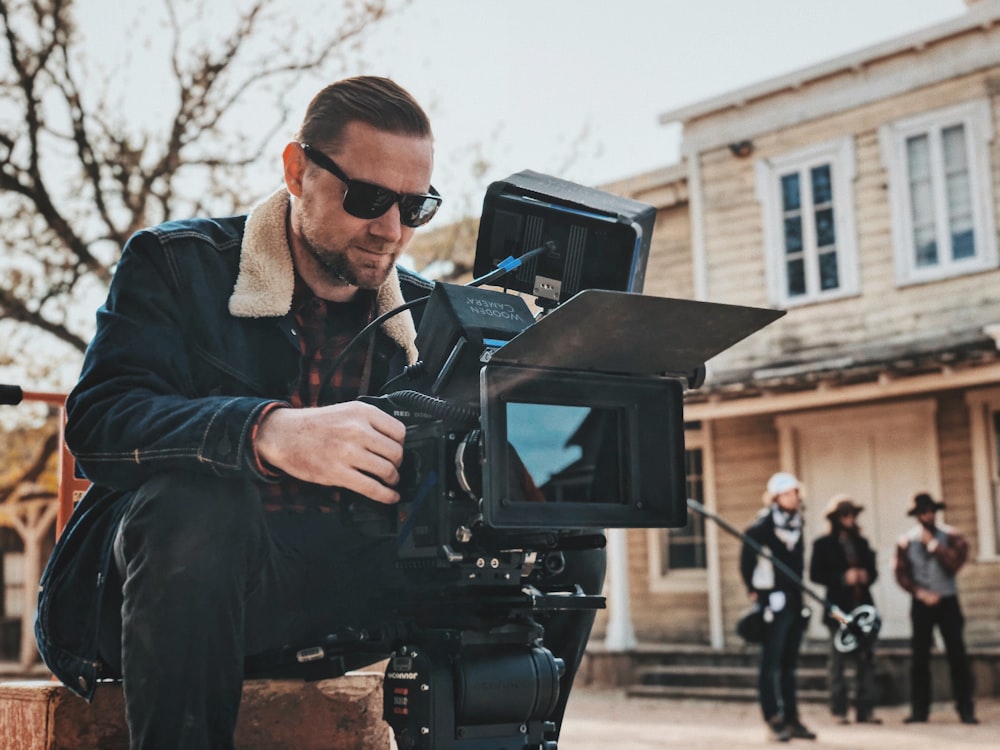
(976, 119)
(984, 405)
(840, 156)
(661, 578)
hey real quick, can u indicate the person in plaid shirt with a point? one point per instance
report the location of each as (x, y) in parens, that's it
(219, 435)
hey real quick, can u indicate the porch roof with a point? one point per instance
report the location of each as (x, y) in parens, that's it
(876, 371)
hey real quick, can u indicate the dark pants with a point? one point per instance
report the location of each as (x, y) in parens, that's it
(778, 660)
(208, 578)
(864, 681)
(947, 615)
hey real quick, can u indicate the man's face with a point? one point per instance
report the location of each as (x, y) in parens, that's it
(334, 251)
(926, 518)
(847, 518)
(788, 501)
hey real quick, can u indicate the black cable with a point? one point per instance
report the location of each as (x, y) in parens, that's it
(504, 267)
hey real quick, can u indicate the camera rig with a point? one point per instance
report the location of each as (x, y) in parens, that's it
(527, 436)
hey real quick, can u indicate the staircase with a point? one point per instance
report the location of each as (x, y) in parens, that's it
(696, 672)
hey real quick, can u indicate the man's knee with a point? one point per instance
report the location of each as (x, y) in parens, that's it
(189, 519)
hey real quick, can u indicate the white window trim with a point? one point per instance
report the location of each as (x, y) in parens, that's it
(686, 579)
(980, 404)
(975, 116)
(839, 153)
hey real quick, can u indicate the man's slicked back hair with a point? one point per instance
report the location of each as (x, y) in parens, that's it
(378, 102)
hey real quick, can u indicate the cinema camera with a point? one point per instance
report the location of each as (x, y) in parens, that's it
(527, 436)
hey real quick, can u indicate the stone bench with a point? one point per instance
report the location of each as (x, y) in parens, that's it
(339, 714)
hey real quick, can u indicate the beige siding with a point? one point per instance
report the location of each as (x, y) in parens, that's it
(747, 451)
(735, 242)
(746, 454)
(882, 317)
(668, 269)
(978, 589)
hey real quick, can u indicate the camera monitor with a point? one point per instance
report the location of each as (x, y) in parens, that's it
(600, 241)
(574, 450)
(583, 423)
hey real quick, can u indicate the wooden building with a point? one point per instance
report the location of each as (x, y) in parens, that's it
(862, 196)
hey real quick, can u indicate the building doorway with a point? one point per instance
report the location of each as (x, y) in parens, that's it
(881, 455)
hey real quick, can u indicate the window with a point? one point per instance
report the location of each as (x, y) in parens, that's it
(678, 558)
(686, 546)
(809, 232)
(938, 166)
(13, 584)
(984, 413)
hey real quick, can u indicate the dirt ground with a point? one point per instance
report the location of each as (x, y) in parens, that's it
(606, 719)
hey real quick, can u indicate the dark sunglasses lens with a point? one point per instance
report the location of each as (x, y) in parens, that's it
(417, 210)
(367, 201)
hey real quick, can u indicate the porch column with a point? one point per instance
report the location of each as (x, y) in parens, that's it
(620, 636)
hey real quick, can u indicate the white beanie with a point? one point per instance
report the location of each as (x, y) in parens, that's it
(782, 482)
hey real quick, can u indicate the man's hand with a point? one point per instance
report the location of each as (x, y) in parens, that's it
(927, 597)
(856, 577)
(351, 445)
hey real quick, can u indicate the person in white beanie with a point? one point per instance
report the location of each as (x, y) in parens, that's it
(778, 529)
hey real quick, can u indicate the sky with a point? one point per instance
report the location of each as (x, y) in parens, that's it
(529, 77)
(573, 88)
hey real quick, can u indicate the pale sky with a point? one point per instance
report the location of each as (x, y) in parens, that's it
(523, 79)
(526, 77)
(519, 81)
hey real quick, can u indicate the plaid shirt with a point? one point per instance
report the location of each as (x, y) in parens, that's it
(324, 329)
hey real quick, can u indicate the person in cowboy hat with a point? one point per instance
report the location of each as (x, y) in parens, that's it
(778, 529)
(928, 557)
(843, 561)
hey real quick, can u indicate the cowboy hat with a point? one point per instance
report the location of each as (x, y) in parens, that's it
(923, 502)
(840, 503)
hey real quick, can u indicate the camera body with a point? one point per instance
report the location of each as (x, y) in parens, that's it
(527, 436)
(524, 430)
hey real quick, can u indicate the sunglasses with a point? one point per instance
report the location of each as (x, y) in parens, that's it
(366, 200)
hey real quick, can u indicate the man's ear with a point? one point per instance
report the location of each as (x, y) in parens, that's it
(294, 160)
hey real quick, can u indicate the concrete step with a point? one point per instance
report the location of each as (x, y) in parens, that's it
(714, 693)
(722, 675)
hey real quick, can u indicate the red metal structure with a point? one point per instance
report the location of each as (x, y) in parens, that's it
(71, 487)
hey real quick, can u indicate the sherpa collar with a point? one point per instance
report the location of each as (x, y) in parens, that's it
(266, 279)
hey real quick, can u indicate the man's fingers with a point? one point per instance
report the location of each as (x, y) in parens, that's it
(387, 425)
(373, 489)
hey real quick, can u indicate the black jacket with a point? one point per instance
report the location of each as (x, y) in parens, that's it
(762, 531)
(195, 338)
(829, 563)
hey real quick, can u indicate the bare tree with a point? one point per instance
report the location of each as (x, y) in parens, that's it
(80, 171)
(78, 175)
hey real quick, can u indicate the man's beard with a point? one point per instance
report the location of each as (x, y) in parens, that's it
(341, 270)
(335, 264)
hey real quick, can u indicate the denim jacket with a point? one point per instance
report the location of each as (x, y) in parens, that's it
(195, 339)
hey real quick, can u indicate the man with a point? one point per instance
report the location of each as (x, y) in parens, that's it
(220, 436)
(843, 561)
(928, 557)
(778, 529)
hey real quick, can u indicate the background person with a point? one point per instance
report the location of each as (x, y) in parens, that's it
(843, 561)
(219, 439)
(778, 528)
(928, 557)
